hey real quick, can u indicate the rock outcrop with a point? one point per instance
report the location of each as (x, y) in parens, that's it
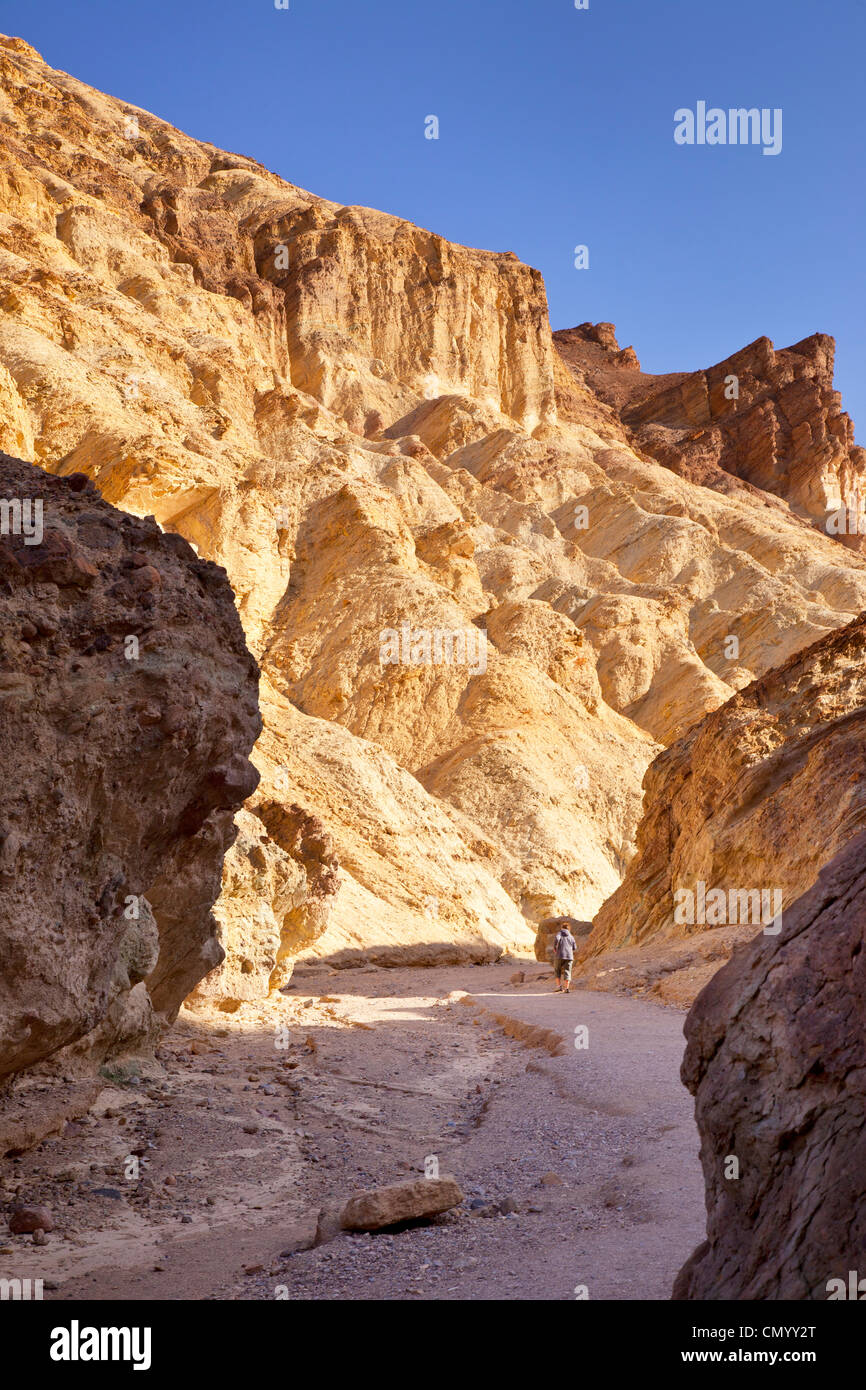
(769, 418)
(751, 804)
(479, 612)
(776, 1058)
(127, 713)
(279, 880)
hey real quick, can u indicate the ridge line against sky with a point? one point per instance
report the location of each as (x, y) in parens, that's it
(555, 130)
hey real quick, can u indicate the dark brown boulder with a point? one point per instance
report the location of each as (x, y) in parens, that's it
(776, 1058)
(127, 713)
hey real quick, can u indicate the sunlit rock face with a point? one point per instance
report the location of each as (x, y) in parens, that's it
(479, 611)
(766, 418)
(742, 813)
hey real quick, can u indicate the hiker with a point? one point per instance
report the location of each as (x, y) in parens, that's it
(563, 956)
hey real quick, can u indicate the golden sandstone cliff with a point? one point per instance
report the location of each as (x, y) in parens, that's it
(482, 595)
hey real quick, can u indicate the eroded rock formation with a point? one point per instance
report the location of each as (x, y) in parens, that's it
(478, 610)
(726, 808)
(771, 419)
(776, 1058)
(127, 713)
(279, 880)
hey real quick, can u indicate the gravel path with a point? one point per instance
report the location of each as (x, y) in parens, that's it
(579, 1164)
(581, 1172)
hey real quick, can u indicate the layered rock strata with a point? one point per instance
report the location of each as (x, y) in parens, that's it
(770, 418)
(743, 812)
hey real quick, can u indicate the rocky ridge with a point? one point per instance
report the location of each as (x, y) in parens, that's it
(373, 431)
(762, 418)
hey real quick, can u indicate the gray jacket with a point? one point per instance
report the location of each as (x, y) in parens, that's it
(564, 944)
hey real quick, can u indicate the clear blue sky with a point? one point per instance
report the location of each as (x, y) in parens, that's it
(556, 128)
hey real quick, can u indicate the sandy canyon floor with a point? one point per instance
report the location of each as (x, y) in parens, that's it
(579, 1164)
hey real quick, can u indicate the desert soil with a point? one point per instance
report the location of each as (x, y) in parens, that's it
(579, 1164)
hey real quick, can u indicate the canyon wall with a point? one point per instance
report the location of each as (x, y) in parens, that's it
(771, 419)
(725, 808)
(776, 1059)
(127, 713)
(480, 607)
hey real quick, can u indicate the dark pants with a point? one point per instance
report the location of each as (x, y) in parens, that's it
(563, 968)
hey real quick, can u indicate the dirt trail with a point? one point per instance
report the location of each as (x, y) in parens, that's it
(579, 1165)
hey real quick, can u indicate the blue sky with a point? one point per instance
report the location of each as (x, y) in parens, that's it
(555, 129)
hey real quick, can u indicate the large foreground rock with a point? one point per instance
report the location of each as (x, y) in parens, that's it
(127, 712)
(776, 1059)
(402, 1201)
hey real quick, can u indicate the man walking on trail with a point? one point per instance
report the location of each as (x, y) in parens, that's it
(563, 956)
